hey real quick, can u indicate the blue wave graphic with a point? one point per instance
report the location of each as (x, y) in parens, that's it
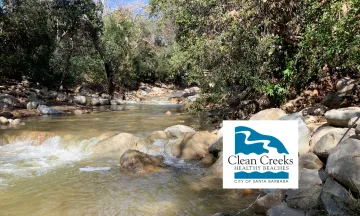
(249, 141)
(265, 175)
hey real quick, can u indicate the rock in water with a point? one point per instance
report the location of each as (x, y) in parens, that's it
(104, 102)
(4, 120)
(78, 112)
(208, 160)
(178, 130)
(168, 113)
(45, 110)
(341, 117)
(138, 162)
(80, 99)
(193, 146)
(119, 144)
(269, 114)
(343, 164)
(158, 135)
(95, 102)
(15, 122)
(216, 146)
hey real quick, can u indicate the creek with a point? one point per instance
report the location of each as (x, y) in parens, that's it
(63, 177)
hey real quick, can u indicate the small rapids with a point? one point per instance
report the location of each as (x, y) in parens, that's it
(62, 176)
(21, 159)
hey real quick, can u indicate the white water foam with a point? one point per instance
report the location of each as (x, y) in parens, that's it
(22, 160)
(92, 169)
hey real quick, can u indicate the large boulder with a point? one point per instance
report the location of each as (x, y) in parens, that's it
(336, 198)
(14, 122)
(95, 102)
(61, 97)
(120, 143)
(313, 126)
(104, 101)
(208, 160)
(79, 99)
(78, 112)
(8, 99)
(178, 131)
(45, 110)
(158, 135)
(216, 146)
(311, 177)
(52, 95)
(320, 132)
(3, 120)
(310, 161)
(326, 143)
(283, 210)
(345, 94)
(304, 132)
(307, 195)
(345, 86)
(268, 114)
(343, 164)
(138, 162)
(194, 145)
(264, 203)
(303, 198)
(32, 105)
(341, 117)
(334, 101)
(5, 106)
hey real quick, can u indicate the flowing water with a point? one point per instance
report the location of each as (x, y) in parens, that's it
(62, 177)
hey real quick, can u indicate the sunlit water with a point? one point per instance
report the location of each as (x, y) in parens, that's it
(62, 177)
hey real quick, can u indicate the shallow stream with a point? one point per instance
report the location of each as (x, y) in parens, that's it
(62, 177)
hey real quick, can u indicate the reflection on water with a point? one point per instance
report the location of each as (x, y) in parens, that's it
(61, 177)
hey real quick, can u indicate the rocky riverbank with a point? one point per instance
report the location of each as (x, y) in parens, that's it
(329, 146)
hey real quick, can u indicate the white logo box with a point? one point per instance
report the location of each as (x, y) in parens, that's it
(260, 170)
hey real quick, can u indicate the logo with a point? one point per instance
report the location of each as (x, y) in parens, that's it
(260, 154)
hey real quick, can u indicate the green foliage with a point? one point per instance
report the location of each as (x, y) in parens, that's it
(232, 48)
(331, 40)
(260, 48)
(22, 52)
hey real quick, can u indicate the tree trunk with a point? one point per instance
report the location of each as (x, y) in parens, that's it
(100, 48)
